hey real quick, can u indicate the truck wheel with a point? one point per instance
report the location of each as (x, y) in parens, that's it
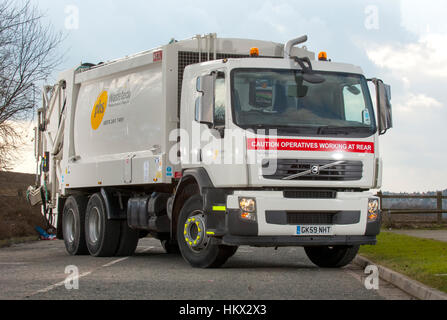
(102, 235)
(73, 225)
(195, 246)
(128, 240)
(170, 246)
(332, 257)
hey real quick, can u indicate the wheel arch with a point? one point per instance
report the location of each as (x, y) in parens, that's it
(193, 181)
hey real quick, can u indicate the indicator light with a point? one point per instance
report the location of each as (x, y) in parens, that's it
(248, 216)
(373, 210)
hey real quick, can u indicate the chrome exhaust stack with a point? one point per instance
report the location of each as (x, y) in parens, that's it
(291, 43)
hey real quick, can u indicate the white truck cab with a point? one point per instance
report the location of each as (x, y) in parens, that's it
(270, 148)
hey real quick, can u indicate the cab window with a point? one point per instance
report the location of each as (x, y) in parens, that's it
(219, 101)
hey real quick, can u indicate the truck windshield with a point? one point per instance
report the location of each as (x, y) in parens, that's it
(284, 100)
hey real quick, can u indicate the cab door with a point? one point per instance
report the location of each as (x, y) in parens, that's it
(213, 145)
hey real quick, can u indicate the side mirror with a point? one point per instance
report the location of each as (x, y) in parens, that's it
(204, 109)
(385, 115)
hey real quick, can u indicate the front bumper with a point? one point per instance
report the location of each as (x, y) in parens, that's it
(351, 227)
(290, 241)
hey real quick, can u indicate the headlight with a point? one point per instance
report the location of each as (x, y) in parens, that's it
(373, 210)
(247, 204)
(248, 208)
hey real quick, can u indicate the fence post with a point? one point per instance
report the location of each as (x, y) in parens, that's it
(439, 206)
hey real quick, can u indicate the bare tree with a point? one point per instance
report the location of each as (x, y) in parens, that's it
(28, 56)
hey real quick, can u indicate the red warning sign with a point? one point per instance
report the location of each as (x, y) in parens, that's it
(310, 145)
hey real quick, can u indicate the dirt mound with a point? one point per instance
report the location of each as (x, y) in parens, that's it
(17, 217)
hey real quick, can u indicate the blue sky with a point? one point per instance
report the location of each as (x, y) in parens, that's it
(402, 42)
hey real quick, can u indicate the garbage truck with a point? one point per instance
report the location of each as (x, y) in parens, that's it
(208, 144)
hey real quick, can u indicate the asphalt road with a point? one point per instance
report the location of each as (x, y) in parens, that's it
(37, 271)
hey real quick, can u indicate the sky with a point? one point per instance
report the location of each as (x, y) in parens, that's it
(402, 42)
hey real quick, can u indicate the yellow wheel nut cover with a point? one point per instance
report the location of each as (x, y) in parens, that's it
(194, 232)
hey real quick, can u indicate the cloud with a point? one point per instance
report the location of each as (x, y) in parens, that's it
(416, 67)
(420, 17)
(418, 102)
(414, 149)
(284, 19)
(426, 57)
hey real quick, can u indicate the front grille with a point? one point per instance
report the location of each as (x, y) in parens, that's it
(312, 218)
(345, 171)
(282, 217)
(310, 194)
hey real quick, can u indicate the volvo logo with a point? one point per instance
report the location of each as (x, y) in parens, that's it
(314, 170)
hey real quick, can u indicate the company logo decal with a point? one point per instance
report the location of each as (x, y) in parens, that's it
(119, 97)
(99, 110)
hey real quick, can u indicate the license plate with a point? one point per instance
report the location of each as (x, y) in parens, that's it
(314, 230)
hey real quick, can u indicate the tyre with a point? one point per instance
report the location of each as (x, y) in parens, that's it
(170, 246)
(195, 246)
(331, 257)
(73, 225)
(102, 235)
(128, 240)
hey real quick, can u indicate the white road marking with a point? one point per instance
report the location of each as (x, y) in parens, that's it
(61, 283)
(12, 263)
(115, 261)
(244, 251)
(125, 258)
(146, 248)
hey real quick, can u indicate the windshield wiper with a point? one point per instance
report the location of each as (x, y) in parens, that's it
(270, 127)
(340, 130)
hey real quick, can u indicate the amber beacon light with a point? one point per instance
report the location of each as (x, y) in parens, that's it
(322, 56)
(254, 52)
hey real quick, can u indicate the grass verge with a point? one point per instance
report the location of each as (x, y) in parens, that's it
(415, 225)
(9, 242)
(423, 260)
